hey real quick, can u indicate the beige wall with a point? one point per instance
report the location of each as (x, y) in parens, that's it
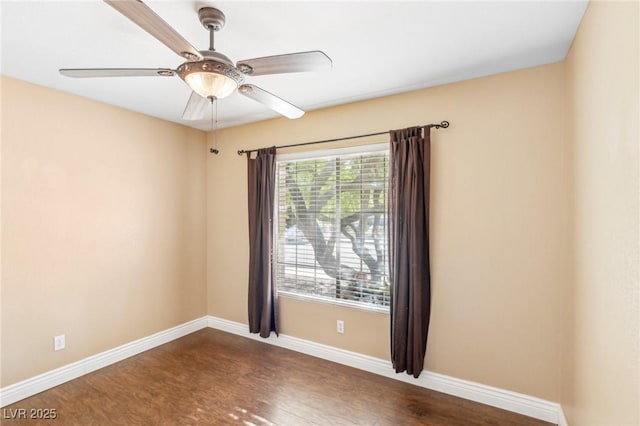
(102, 227)
(497, 227)
(601, 369)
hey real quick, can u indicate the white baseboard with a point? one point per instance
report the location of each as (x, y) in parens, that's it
(26, 388)
(495, 397)
(562, 420)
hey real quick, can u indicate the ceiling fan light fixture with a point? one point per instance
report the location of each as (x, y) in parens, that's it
(210, 74)
(210, 78)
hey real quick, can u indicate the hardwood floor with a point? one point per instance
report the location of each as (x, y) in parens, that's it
(215, 378)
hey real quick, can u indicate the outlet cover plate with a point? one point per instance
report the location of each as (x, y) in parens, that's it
(59, 342)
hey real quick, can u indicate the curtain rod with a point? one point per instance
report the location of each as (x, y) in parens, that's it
(443, 124)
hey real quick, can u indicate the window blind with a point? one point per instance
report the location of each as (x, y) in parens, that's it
(331, 227)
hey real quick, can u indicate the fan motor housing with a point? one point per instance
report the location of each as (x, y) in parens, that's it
(210, 66)
(215, 56)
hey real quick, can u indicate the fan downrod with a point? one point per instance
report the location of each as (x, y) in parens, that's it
(211, 18)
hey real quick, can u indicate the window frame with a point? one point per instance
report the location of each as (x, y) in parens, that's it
(314, 155)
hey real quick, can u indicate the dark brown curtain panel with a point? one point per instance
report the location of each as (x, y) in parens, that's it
(409, 247)
(261, 173)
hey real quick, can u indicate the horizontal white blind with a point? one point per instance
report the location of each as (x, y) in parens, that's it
(332, 227)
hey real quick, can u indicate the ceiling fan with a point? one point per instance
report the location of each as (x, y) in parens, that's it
(210, 74)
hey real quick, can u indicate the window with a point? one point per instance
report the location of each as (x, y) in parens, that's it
(331, 226)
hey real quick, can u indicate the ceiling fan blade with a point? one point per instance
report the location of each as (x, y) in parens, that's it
(117, 72)
(148, 20)
(270, 100)
(292, 62)
(195, 108)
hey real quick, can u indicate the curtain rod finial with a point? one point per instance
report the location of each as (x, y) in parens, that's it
(444, 124)
(214, 150)
(241, 151)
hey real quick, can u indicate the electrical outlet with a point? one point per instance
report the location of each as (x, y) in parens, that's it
(59, 342)
(340, 326)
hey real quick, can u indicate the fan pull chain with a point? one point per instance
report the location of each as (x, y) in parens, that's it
(214, 125)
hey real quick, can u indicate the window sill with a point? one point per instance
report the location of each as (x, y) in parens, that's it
(338, 302)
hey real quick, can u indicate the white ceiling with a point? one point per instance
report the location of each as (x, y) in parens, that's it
(377, 48)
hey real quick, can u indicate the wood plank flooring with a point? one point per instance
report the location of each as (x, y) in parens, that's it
(215, 378)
